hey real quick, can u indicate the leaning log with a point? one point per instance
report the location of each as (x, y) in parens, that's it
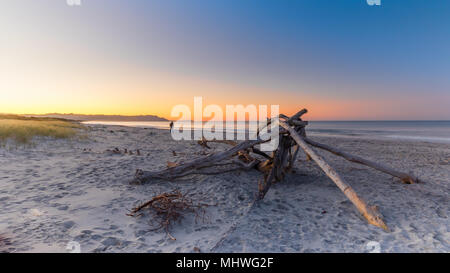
(404, 177)
(370, 213)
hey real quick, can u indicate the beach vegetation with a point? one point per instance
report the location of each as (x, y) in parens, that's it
(22, 130)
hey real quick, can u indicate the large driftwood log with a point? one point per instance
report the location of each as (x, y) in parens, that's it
(194, 166)
(404, 177)
(370, 213)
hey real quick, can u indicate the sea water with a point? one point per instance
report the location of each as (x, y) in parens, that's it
(428, 131)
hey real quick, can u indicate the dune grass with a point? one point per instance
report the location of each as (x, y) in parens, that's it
(23, 129)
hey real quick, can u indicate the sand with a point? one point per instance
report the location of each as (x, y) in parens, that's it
(61, 194)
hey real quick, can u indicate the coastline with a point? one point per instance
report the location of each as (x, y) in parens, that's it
(425, 131)
(75, 190)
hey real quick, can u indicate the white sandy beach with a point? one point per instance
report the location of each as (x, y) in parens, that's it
(60, 191)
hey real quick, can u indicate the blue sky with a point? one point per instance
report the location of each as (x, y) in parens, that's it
(377, 62)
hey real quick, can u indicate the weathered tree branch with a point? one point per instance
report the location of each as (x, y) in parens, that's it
(370, 213)
(404, 177)
(191, 167)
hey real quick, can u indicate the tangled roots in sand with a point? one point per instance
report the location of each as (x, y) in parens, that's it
(168, 208)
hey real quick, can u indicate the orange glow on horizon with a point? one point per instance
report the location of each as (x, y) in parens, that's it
(148, 92)
(318, 109)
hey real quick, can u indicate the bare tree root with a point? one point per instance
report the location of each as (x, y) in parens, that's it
(168, 208)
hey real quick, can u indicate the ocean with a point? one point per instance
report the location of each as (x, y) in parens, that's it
(429, 131)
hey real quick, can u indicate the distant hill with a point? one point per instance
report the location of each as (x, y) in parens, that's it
(102, 117)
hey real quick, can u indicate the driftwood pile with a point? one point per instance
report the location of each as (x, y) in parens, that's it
(274, 166)
(168, 208)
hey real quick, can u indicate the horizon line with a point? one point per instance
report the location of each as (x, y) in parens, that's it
(168, 119)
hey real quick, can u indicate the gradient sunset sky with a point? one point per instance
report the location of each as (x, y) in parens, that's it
(341, 59)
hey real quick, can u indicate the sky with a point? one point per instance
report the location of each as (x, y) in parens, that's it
(340, 59)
